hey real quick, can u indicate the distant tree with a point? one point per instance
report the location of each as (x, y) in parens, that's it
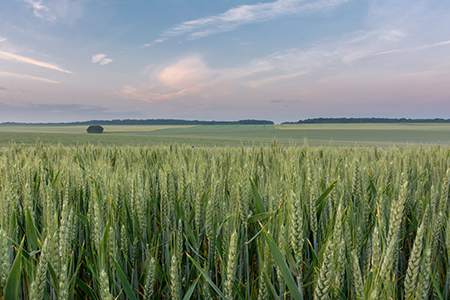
(95, 129)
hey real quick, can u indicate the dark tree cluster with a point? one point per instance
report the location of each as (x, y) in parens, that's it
(95, 129)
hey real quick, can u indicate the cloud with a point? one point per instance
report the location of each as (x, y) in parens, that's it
(2, 88)
(186, 76)
(191, 75)
(98, 57)
(105, 61)
(133, 93)
(101, 58)
(2, 39)
(416, 48)
(358, 52)
(24, 76)
(392, 35)
(246, 14)
(185, 73)
(442, 43)
(53, 10)
(265, 81)
(14, 57)
(350, 69)
(40, 10)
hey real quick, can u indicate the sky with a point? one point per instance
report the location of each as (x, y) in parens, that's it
(284, 60)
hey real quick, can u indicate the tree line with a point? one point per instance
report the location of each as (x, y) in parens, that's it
(149, 122)
(367, 120)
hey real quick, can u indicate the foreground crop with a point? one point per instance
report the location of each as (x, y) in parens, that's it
(176, 222)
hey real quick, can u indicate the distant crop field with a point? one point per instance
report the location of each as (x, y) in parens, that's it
(235, 135)
(82, 129)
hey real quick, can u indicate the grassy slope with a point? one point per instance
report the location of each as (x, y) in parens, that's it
(234, 135)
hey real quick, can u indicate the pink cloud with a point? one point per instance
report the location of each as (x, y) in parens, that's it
(23, 59)
(184, 74)
(129, 92)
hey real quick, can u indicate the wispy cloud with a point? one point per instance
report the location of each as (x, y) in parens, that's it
(272, 79)
(2, 88)
(191, 75)
(183, 77)
(129, 92)
(40, 10)
(23, 59)
(382, 60)
(392, 35)
(54, 10)
(24, 76)
(416, 48)
(246, 14)
(101, 58)
(2, 39)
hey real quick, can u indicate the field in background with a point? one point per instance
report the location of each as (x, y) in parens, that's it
(235, 135)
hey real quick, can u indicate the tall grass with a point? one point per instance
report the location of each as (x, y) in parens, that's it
(92, 222)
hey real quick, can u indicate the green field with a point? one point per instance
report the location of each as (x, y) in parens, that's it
(236, 223)
(235, 135)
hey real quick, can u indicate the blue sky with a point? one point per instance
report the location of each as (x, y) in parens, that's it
(285, 60)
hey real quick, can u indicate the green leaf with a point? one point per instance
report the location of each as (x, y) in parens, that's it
(82, 218)
(55, 178)
(32, 234)
(79, 161)
(55, 279)
(87, 289)
(261, 216)
(191, 289)
(258, 200)
(372, 187)
(436, 287)
(124, 280)
(291, 262)
(282, 265)
(103, 248)
(91, 268)
(206, 277)
(13, 226)
(417, 179)
(314, 263)
(219, 236)
(321, 200)
(12, 287)
(190, 234)
(270, 286)
(78, 265)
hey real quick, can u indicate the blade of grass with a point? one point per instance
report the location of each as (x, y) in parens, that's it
(282, 265)
(258, 200)
(191, 289)
(124, 280)
(206, 277)
(12, 287)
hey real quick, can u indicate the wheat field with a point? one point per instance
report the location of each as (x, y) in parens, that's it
(268, 222)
